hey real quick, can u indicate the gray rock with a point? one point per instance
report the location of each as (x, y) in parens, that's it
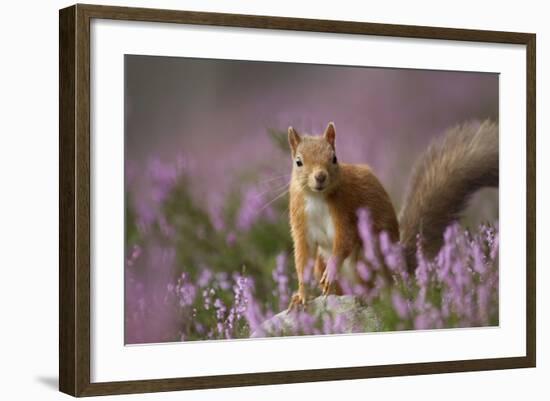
(323, 315)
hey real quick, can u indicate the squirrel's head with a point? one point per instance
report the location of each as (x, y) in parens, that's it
(315, 166)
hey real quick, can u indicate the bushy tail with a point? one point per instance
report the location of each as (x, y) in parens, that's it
(452, 169)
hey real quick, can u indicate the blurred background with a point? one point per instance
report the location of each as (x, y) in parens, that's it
(207, 165)
(218, 113)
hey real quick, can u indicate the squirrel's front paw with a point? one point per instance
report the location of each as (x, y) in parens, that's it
(327, 285)
(298, 301)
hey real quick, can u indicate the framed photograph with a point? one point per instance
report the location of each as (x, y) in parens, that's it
(250, 200)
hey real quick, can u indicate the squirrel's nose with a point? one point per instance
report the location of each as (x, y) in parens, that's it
(321, 177)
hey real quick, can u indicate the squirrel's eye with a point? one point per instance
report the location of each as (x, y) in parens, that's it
(299, 163)
(334, 159)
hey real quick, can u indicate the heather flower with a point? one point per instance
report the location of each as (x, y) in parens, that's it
(400, 305)
(368, 237)
(205, 277)
(240, 300)
(363, 271)
(332, 269)
(134, 255)
(422, 322)
(253, 207)
(479, 258)
(163, 178)
(281, 280)
(346, 286)
(186, 291)
(220, 308)
(207, 295)
(254, 316)
(222, 280)
(187, 294)
(393, 256)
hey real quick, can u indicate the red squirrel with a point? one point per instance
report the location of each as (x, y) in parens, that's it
(325, 196)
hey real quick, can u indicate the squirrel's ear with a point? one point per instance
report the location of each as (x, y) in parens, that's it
(330, 134)
(293, 140)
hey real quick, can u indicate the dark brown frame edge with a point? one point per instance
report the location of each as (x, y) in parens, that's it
(74, 199)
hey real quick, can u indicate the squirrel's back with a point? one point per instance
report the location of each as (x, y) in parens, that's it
(360, 188)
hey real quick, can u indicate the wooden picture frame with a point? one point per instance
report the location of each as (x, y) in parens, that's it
(74, 203)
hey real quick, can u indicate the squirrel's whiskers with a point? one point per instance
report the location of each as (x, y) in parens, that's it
(261, 194)
(274, 199)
